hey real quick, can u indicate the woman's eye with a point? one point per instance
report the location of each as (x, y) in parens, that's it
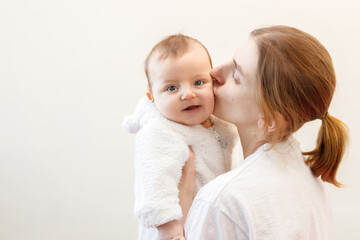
(198, 82)
(236, 79)
(171, 88)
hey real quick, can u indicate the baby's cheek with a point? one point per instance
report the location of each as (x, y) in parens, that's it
(165, 109)
(210, 91)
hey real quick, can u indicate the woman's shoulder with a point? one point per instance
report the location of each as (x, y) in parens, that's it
(223, 201)
(268, 186)
(257, 174)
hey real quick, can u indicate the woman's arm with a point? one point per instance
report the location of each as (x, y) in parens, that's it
(175, 229)
(187, 186)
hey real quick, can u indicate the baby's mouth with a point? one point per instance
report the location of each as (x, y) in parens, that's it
(192, 107)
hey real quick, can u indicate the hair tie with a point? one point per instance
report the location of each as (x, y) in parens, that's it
(325, 115)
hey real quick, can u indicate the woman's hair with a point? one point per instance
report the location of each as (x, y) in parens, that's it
(296, 81)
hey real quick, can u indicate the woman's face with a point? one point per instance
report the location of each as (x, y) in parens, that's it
(236, 87)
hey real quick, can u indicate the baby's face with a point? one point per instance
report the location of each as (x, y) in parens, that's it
(182, 87)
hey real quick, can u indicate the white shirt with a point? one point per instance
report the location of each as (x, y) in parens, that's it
(271, 195)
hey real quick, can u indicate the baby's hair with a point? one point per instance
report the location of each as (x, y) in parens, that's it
(173, 47)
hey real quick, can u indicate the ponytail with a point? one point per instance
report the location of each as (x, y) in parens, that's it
(331, 143)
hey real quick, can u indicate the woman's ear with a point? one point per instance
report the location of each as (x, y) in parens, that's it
(270, 128)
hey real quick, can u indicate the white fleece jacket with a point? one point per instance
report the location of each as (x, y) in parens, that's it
(161, 149)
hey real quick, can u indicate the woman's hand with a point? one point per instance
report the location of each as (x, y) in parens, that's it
(175, 229)
(171, 230)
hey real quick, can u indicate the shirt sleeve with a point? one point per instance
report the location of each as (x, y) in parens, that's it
(159, 157)
(206, 221)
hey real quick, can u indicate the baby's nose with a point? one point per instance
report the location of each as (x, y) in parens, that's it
(188, 94)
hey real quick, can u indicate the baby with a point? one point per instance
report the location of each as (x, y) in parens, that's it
(175, 115)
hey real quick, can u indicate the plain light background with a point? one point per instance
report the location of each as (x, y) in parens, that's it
(71, 69)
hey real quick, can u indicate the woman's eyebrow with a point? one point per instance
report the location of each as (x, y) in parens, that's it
(237, 66)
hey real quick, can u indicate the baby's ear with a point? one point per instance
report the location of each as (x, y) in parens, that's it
(150, 97)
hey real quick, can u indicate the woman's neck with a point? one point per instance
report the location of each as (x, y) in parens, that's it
(250, 139)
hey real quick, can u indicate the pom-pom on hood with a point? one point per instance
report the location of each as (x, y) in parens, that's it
(145, 111)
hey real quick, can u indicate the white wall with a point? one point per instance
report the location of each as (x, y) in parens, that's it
(71, 69)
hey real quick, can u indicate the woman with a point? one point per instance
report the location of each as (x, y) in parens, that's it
(278, 80)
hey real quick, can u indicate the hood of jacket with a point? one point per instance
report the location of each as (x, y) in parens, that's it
(144, 112)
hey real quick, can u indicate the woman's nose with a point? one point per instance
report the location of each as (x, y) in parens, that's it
(187, 94)
(220, 73)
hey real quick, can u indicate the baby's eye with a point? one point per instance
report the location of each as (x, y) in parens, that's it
(171, 88)
(198, 82)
